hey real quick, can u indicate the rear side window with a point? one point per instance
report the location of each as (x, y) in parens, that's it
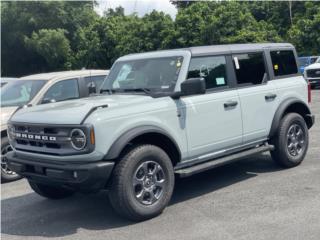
(283, 62)
(212, 69)
(250, 68)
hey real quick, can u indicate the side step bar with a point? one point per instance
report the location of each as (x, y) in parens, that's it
(188, 171)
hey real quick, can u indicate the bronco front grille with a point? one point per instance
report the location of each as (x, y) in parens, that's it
(53, 140)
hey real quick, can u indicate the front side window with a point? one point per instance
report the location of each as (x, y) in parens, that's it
(250, 68)
(212, 69)
(20, 92)
(94, 82)
(313, 60)
(63, 90)
(283, 62)
(157, 74)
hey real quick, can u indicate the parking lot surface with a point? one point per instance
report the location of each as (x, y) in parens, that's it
(250, 199)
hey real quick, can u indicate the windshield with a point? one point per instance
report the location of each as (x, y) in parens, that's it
(20, 92)
(154, 75)
(303, 61)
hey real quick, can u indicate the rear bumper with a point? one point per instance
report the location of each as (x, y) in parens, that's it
(77, 176)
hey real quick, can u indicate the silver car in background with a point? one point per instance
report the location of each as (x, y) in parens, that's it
(40, 89)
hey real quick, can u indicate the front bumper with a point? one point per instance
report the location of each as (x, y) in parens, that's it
(86, 177)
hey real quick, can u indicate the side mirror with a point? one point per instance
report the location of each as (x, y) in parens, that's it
(92, 88)
(48, 100)
(191, 86)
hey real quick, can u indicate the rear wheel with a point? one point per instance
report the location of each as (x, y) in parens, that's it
(50, 192)
(291, 141)
(142, 183)
(6, 174)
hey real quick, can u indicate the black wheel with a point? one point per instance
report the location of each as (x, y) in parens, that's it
(142, 183)
(6, 174)
(50, 192)
(291, 142)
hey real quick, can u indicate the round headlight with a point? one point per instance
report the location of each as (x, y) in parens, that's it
(78, 139)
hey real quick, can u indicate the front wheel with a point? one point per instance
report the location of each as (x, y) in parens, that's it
(50, 192)
(7, 175)
(142, 183)
(291, 141)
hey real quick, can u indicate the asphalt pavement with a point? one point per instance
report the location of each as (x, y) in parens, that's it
(250, 199)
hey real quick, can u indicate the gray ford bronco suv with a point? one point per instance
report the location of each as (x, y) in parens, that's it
(161, 114)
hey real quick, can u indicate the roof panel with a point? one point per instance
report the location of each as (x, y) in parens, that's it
(64, 74)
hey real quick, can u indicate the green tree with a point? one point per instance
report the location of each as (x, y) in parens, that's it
(218, 23)
(305, 33)
(20, 19)
(53, 46)
(54, 35)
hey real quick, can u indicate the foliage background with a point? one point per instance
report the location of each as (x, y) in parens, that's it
(60, 35)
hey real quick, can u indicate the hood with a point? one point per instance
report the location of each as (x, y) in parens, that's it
(313, 66)
(6, 113)
(73, 112)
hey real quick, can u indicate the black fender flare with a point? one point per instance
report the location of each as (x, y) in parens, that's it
(281, 111)
(118, 145)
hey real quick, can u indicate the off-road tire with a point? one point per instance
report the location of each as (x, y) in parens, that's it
(6, 174)
(122, 194)
(50, 192)
(281, 154)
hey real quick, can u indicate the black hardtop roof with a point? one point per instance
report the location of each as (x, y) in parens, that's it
(229, 48)
(214, 49)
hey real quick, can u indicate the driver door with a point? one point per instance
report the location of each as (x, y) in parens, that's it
(213, 120)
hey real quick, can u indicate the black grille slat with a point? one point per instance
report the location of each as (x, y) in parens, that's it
(41, 137)
(47, 139)
(313, 73)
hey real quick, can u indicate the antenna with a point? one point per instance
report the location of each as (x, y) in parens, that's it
(135, 7)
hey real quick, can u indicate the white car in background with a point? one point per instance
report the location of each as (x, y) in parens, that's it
(5, 80)
(312, 74)
(40, 89)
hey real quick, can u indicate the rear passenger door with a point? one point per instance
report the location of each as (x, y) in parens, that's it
(257, 95)
(213, 120)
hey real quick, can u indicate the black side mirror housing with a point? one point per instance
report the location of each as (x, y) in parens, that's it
(92, 88)
(191, 86)
(47, 100)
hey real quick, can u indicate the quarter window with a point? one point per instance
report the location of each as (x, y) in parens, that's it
(283, 62)
(250, 68)
(212, 69)
(63, 90)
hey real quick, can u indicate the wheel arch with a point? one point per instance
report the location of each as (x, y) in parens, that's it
(149, 135)
(287, 106)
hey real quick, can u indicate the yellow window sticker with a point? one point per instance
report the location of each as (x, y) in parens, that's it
(276, 67)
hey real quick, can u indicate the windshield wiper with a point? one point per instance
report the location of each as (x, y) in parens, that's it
(145, 90)
(110, 91)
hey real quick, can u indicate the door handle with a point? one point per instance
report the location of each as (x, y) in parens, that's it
(230, 104)
(270, 96)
